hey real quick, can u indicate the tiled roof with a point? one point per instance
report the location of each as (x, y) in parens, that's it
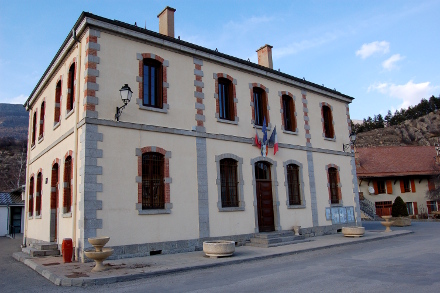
(397, 161)
(10, 199)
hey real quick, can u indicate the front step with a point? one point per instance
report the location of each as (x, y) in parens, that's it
(41, 249)
(273, 239)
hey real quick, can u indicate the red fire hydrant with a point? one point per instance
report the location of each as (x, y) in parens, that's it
(67, 250)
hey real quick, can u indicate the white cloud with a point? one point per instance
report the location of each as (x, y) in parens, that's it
(389, 64)
(375, 47)
(410, 93)
(18, 100)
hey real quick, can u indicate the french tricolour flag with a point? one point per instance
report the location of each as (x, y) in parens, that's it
(273, 140)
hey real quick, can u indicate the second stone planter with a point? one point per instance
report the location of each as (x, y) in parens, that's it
(218, 248)
(353, 231)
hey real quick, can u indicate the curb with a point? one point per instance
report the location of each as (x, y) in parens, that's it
(79, 282)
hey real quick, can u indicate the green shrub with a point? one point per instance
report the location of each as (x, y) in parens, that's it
(399, 208)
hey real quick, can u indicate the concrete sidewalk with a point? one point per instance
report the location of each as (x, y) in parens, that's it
(79, 274)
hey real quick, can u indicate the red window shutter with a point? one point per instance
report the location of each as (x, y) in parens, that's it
(375, 187)
(431, 184)
(428, 204)
(389, 187)
(416, 210)
(402, 186)
(413, 186)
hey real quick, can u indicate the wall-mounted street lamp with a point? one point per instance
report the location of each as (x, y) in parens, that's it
(349, 146)
(126, 93)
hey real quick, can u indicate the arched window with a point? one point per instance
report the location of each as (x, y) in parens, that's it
(153, 196)
(71, 88)
(328, 122)
(38, 195)
(34, 128)
(229, 183)
(67, 199)
(225, 97)
(54, 187)
(56, 118)
(293, 184)
(333, 184)
(42, 111)
(260, 107)
(152, 83)
(31, 197)
(289, 113)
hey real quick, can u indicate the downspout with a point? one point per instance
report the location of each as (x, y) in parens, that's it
(26, 190)
(75, 151)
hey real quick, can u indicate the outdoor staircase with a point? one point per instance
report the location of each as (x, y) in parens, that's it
(42, 249)
(273, 239)
(368, 208)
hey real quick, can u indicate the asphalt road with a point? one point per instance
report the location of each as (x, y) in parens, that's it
(401, 264)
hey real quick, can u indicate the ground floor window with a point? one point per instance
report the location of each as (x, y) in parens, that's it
(409, 206)
(432, 206)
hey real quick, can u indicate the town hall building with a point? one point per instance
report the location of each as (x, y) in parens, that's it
(179, 163)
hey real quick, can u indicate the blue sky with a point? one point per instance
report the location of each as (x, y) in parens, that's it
(382, 53)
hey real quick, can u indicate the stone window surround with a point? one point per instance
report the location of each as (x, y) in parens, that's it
(68, 154)
(34, 129)
(241, 204)
(295, 114)
(266, 96)
(339, 185)
(301, 183)
(216, 76)
(167, 180)
(322, 120)
(58, 105)
(276, 202)
(31, 192)
(69, 90)
(38, 194)
(165, 84)
(41, 121)
(55, 190)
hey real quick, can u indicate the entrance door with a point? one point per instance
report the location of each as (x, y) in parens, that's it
(264, 197)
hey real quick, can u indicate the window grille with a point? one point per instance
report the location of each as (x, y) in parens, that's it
(153, 181)
(293, 185)
(333, 178)
(229, 183)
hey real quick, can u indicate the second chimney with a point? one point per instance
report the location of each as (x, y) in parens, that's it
(166, 21)
(265, 56)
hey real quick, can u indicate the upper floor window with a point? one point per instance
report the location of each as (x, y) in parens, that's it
(57, 114)
(333, 183)
(328, 122)
(381, 186)
(42, 112)
(153, 181)
(67, 200)
(34, 128)
(31, 196)
(293, 184)
(260, 107)
(225, 96)
(71, 88)
(152, 80)
(289, 113)
(229, 183)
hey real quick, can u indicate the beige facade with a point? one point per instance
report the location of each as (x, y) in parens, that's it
(187, 131)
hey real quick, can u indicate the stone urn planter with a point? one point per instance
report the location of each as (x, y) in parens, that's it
(100, 253)
(353, 231)
(218, 248)
(387, 223)
(401, 221)
(296, 229)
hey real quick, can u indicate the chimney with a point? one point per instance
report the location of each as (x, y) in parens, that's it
(166, 21)
(357, 160)
(265, 56)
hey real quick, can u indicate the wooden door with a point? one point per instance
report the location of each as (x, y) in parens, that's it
(265, 206)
